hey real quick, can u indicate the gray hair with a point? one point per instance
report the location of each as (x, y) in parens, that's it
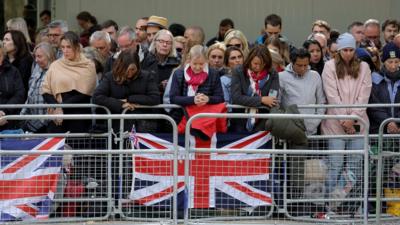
(372, 22)
(59, 24)
(198, 51)
(126, 30)
(18, 23)
(48, 50)
(152, 47)
(100, 35)
(93, 54)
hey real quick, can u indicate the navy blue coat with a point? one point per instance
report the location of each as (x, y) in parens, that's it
(380, 95)
(178, 94)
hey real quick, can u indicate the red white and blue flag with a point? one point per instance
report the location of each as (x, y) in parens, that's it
(28, 182)
(233, 180)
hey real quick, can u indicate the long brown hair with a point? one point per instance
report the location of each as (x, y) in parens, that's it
(343, 69)
(262, 52)
(121, 65)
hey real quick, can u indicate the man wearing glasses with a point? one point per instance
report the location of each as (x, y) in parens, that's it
(57, 28)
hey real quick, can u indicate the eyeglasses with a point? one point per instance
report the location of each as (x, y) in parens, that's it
(236, 45)
(53, 35)
(164, 42)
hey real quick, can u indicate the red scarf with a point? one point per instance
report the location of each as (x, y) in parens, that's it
(257, 77)
(196, 79)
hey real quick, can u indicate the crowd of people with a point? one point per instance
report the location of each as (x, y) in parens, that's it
(151, 63)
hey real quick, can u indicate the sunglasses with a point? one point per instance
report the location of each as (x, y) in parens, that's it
(179, 50)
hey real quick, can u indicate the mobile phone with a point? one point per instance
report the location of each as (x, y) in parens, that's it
(357, 128)
(273, 93)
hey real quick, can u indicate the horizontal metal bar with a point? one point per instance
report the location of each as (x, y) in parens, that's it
(323, 200)
(87, 116)
(82, 152)
(278, 151)
(44, 135)
(83, 199)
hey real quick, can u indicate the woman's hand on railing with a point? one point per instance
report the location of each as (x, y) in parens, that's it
(2, 120)
(269, 101)
(392, 128)
(56, 111)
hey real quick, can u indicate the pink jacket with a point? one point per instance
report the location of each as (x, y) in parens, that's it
(345, 91)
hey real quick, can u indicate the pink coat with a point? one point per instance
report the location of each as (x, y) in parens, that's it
(345, 91)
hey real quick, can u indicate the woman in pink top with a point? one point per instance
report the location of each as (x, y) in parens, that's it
(346, 80)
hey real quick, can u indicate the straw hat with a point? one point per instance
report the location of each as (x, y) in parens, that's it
(157, 21)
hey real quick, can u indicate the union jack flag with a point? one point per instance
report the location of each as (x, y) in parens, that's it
(28, 182)
(233, 180)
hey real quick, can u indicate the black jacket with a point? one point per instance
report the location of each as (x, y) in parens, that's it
(24, 66)
(12, 90)
(161, 70)
(239, 91)
(142, 90)
(380, 95)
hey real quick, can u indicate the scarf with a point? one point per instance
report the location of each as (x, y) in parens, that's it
(194, 80)
(64, 76)
(255, 79)
(393, 76)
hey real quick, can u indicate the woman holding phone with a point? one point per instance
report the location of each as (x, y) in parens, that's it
(255, 84)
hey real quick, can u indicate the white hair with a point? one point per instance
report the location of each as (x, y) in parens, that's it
(100, 35)
(152, 47)
(372, 22)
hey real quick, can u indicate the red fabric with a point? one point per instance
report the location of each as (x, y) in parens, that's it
(196, 79)
(257, 77)
(208, 126)
(73, 189)
(279, 69)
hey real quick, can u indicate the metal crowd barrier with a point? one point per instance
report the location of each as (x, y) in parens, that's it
(388, 173)
(363, 198)
(68, 204)
(384, 161)
(140, 210)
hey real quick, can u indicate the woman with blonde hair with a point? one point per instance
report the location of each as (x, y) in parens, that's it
(237, 38)
(19, 23)
(215, 55)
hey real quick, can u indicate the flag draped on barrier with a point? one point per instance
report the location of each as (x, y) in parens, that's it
(220, 180)
(28, 182)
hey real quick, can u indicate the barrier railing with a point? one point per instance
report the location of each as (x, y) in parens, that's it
(361, 152)
(388, 172)
(381, 164)
(139, 210)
